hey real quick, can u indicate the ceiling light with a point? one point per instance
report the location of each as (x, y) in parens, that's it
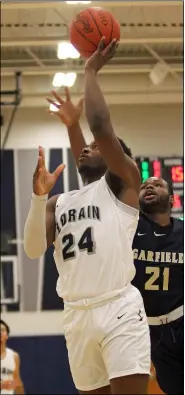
(158, 73)
(59, 80)
(78, 2)
(66, 51)
(53, 108)
(62, 79)
(70, 79)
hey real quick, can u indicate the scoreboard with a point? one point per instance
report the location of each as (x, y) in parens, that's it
(172, 170)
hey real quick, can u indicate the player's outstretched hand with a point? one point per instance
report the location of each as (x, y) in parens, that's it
(67, 112)
(102, 55)
(43, 181)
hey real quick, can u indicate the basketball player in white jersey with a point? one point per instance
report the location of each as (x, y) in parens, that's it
(92, 230)
(10, 366)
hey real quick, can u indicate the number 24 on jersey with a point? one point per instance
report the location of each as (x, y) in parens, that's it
(71, 245)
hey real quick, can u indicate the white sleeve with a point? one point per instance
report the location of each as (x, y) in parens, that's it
(35, 242)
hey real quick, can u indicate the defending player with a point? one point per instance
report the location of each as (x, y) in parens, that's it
(158, 253)
(10, 366)
(104, 319)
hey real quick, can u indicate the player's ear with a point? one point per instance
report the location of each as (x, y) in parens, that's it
(171, 200)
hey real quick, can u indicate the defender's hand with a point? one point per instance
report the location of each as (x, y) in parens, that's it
(43, 181)
(102, 55)
(68, 113)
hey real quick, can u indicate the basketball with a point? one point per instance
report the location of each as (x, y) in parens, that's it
(90, 26)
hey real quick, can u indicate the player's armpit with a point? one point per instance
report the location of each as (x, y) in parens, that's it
(125, 193)
(19, 387)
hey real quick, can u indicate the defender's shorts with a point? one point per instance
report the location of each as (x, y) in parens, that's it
(168, 355)
(107, 337)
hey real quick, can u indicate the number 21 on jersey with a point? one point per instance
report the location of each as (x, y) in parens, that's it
(71, 245)
(156, 272)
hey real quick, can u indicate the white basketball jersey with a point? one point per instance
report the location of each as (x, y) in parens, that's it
(7, 369)
(93, 246)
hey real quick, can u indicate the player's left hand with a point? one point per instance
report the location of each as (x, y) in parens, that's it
(102, 55)
(68, 112)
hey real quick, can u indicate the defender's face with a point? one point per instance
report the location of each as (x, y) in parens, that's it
(91, 158)
(154, 196)
(4, 334)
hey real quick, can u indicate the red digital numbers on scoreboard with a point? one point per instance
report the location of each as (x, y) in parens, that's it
(177, 201)
(157, 168)
(177, 174)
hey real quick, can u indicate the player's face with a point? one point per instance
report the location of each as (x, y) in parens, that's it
(4, 334)
(91, 161)
(154, 196)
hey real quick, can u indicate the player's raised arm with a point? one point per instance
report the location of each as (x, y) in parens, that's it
(98, 117)
(70, 115)
(39, 231)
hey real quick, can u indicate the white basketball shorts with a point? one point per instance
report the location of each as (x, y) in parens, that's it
(107, 337)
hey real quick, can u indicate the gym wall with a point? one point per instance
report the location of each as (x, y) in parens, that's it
(149, 129)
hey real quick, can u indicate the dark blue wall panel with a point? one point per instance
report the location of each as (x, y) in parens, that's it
(44, 364)
(8, 214)
(50, 300)
(72, 171)
(8, 218)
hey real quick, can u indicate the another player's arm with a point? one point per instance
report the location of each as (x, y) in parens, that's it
(70, 114)
(6, 385)
(77, 141)
(19, 386)
(98, 117)
(39, 230)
